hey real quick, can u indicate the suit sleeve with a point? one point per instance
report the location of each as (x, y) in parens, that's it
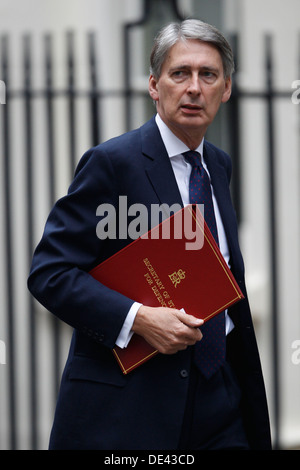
(69, 247)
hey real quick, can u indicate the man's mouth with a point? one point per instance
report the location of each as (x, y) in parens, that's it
(191, 108)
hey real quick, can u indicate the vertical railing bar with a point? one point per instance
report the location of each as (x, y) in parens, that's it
(71, 100)
(51, 168)
(127, 77)
(273, 240)
(178, 15)
(29, 181)
(49, 114)
(94, 102)
(127, 61)
(11, 359)
(234, 135)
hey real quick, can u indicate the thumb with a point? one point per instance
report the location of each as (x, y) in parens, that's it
(189, 320)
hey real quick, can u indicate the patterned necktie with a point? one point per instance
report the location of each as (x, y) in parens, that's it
(210, 351)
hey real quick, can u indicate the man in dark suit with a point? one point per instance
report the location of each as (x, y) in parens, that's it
(167, 403)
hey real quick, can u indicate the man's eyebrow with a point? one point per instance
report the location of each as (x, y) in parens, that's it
(210, 68)
(179, 67)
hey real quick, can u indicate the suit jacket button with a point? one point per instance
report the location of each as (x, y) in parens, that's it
(184, 373)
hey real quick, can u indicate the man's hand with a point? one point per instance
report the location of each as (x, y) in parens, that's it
(167, 329)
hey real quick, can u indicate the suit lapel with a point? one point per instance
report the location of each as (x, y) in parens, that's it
(158, 166)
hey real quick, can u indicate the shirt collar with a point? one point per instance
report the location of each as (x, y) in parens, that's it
(174, 146)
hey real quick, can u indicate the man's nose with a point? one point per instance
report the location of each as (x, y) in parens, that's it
(194, 85)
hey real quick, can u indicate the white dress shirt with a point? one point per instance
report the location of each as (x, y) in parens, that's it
(182, 170)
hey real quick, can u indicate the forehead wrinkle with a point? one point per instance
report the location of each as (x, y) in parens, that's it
(202, 64)
(207, 60)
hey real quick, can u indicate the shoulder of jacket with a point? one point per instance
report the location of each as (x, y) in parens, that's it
(209, 147)
(219, 156)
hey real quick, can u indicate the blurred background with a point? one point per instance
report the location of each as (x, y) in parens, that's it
(74, 73)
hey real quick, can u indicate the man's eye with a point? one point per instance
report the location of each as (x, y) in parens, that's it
(207, 75)
(179, 74)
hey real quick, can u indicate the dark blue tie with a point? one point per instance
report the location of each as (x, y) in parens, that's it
(210, 351)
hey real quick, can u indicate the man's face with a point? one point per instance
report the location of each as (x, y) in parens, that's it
(190, 89)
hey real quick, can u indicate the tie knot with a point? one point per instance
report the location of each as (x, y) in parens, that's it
(193, 158)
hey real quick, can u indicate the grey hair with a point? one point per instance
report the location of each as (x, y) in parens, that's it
(189, 29)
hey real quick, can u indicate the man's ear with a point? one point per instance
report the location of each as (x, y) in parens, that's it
(227, 90)
(153, 88)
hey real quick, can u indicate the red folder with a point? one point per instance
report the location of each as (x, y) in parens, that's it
(176, 264)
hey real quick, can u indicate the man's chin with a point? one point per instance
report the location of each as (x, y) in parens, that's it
(194, 122)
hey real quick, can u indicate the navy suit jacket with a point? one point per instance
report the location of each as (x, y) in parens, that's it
(98, 407)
